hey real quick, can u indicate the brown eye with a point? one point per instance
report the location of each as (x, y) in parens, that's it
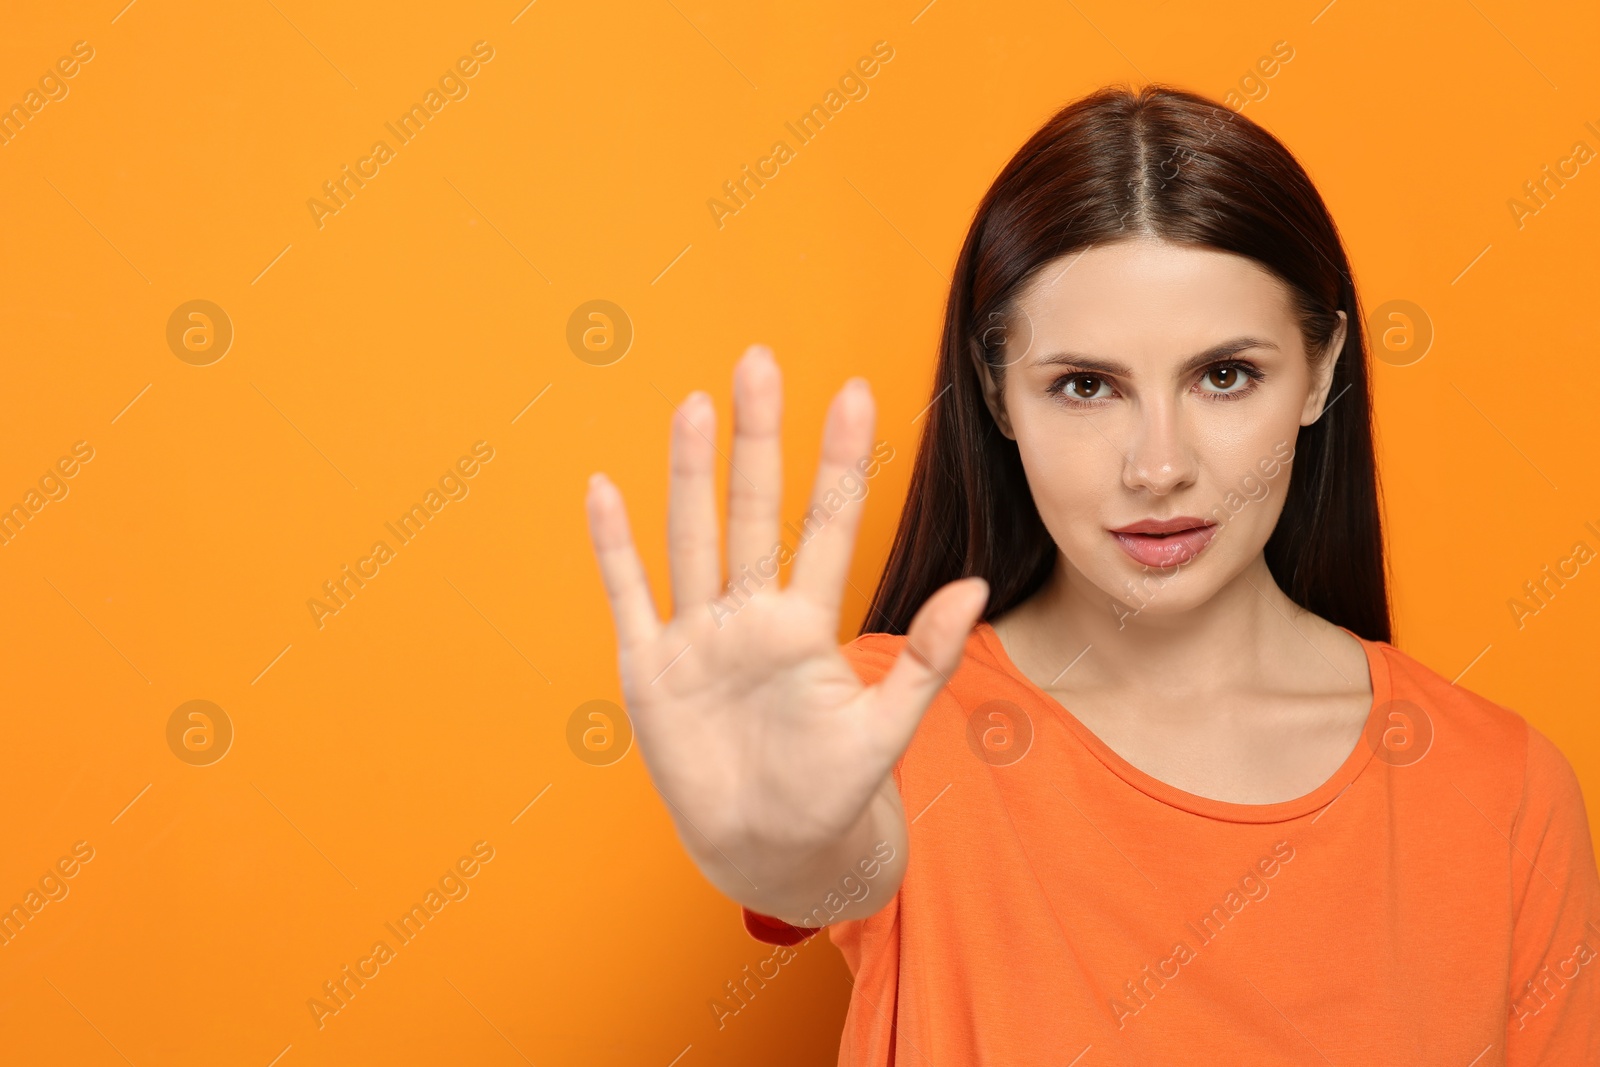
(1084, 387)
(1228, 379)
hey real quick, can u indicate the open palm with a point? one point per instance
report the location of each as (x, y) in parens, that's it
(755, 728)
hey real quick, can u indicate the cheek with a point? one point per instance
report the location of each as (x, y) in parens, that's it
(1251, 451)
(1233, 438)
(1073, 474)
(1245, 478)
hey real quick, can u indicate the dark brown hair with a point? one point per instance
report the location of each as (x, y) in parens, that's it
(1116, 163)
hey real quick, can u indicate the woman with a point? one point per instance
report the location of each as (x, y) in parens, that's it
(1123, 767)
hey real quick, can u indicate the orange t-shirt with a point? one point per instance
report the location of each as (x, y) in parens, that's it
(1435, 901)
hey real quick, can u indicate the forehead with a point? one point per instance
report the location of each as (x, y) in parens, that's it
(1149, 296)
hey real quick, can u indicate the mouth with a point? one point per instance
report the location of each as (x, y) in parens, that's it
(1165, 542)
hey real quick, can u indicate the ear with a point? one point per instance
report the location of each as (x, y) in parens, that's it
(1322, 376)
(992, 396)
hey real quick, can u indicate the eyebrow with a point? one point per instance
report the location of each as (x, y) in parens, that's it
(1193, 363)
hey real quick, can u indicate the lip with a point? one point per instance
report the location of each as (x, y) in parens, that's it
(1163, 526)
(1165, 542)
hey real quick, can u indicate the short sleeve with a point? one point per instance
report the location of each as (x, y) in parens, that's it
(1555, 957)
(775, 931)
(871, 662)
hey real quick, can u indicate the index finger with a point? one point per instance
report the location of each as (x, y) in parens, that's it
(632, 610)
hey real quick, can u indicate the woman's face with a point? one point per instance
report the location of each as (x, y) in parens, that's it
(1149, 380)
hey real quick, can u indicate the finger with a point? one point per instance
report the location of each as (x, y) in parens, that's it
(829, 525)
(935, 643)
(627, 588)
(755, 483)
(693, 557)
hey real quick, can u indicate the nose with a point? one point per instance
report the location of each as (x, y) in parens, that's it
(1160, 456)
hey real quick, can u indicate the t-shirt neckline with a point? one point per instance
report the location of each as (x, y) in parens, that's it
(1224, 810)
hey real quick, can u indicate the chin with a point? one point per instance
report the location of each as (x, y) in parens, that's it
(1174, 599)
(1159, 590)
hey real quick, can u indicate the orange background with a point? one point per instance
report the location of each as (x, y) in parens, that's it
(372, 352)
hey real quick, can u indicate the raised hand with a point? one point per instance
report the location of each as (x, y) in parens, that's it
(772, 756)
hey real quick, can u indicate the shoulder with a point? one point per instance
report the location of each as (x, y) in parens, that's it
(1483, 741)
(1471, 722)
(872, 654)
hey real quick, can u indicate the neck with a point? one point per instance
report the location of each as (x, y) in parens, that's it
(1152, 641)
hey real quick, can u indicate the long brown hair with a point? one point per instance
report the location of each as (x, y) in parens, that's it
(1176, 165)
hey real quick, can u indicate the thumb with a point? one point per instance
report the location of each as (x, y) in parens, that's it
(934, 645)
